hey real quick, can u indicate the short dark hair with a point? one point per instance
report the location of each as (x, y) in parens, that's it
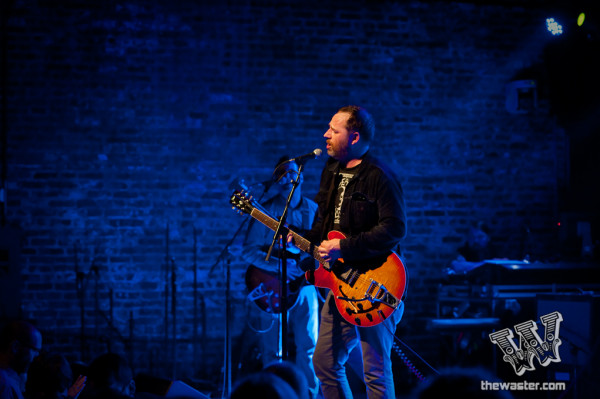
(283, 159)
(361, 121)
(263, 384)
(16, 330)
(282, 168)
(291, 374)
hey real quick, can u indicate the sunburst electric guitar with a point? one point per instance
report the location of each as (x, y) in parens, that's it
(366, 293)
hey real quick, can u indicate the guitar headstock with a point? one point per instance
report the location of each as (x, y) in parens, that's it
(242, 201)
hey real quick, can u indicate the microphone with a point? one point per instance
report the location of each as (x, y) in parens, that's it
(303, 158)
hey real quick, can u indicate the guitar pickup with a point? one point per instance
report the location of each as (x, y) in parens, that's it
(349, 276)
(353, 278)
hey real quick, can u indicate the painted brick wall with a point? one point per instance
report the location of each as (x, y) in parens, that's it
(127, 121)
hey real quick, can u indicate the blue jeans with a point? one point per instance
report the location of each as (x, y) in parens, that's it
(336, 340)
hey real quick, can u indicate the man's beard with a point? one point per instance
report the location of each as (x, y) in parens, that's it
(336, 151)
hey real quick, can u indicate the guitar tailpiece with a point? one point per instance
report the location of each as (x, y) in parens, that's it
(381, 292)
(258, 293)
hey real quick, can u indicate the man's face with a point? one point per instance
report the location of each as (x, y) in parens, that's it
(478, 239)
(339, 139)
(26, 351)
(285, 175)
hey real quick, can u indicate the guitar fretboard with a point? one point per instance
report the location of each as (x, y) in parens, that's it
(299, 241)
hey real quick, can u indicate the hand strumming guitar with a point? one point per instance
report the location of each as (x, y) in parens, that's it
(329, 250)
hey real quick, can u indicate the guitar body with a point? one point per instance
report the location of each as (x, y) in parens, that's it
(265, 289)
(357, 288)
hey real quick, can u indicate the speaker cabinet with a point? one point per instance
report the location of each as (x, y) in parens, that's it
(579, 328)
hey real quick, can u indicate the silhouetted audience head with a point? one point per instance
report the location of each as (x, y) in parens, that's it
(464, 383)
(291, 374)
(264, 385)
(20, 343)
(109, 376)
(49, 376)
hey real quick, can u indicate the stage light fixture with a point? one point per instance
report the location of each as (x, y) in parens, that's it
(580, 19)
(554, 27)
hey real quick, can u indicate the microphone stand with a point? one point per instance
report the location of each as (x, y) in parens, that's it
(225, 254)
(166, 348)
(281, 229)
(80, 287)
(81, 281)
(195, 306)
(174, 318)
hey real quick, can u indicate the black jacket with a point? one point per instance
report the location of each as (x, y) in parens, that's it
(373, 216)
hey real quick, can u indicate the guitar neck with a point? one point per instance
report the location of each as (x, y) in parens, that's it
(299, 241)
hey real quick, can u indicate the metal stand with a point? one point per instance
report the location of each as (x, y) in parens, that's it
(174, 316)
(166, 348)
(81, 288)
(82, 279)
(225, 255)
(281, 234)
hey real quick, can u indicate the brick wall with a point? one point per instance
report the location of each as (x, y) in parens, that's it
(127, 121)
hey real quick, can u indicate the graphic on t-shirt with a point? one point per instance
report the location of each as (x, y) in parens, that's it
(345, 179)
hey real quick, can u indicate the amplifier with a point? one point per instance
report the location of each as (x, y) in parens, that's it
(579, 329)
